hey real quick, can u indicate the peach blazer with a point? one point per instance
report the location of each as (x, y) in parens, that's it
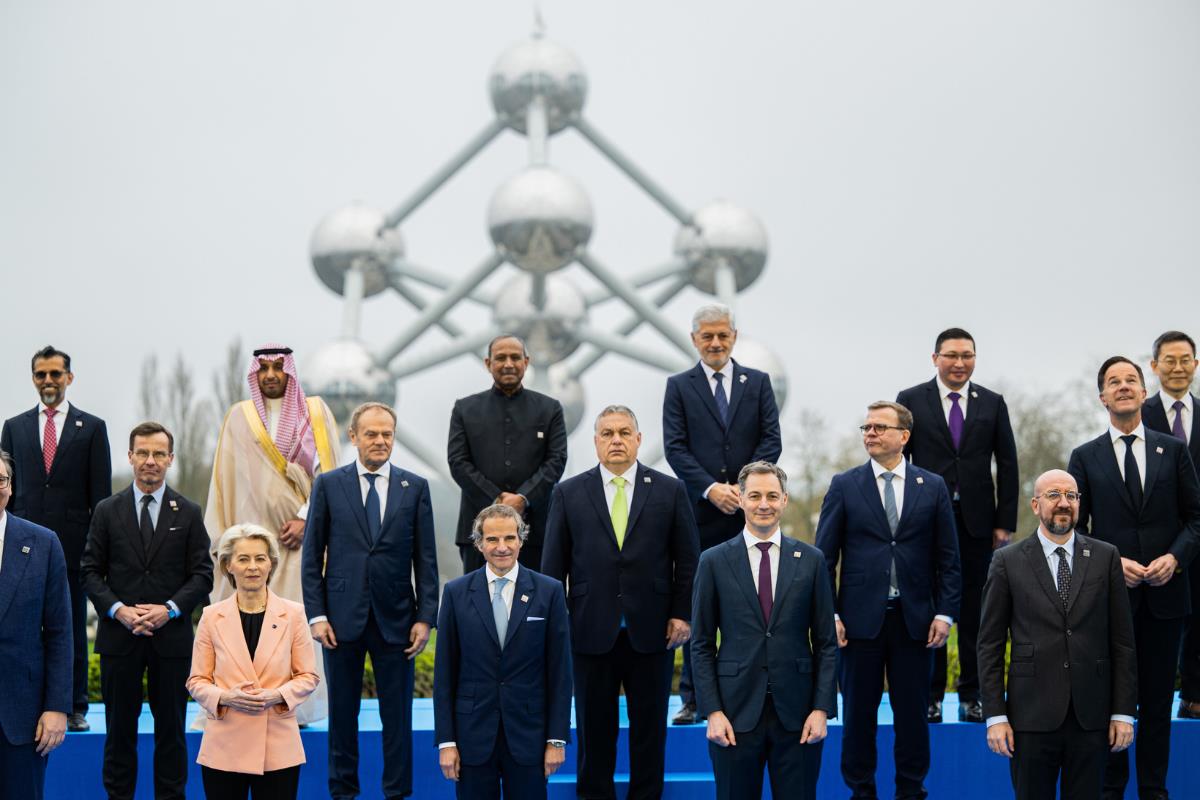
(236, 741)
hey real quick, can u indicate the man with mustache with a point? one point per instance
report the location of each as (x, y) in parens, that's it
(507, 445)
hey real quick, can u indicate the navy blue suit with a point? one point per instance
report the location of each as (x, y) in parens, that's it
(793, 657)
(853, 529)
(63, 501)
(620, 600)
(35, 633)
(513, 699)
(364, 590)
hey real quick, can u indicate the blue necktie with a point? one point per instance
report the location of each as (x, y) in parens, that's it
(719, 396)
(499, 612)
(373, 518)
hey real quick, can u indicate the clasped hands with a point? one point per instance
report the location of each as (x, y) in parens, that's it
(1156, 573)
(246, 698)
(144, 618)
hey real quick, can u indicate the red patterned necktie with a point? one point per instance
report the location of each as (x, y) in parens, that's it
(49, 439)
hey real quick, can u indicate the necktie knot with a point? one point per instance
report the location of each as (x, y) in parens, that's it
(718, 376)
(888, 476)
(1129, 439)
(370, 476)
(1061, 552)
(500, 584)
(1177, 406)
(618, 482)
(146, 500)
(954, 396)
(50, 412)
(765, 547)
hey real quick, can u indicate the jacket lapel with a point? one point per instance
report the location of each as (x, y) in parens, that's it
(870, 493)
(914, 490)
(229, 628)
(480, 599)
(522, 594)
(640, 492)
(1195, 423)
(1106, 456)
(736, 389)
(739, 568)
(1032, 549)
(166, 520)
(1080, 563)
(133, 528)
(14, 564)
(350, 485)
(788, 564)
(1154, 459)
(699, 381)
(396, 487)
(274, 629)
(66, 435)
(973, 403)
(594, 486)
(933, 398)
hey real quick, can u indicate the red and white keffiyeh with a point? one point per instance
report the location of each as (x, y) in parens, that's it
(293, 434)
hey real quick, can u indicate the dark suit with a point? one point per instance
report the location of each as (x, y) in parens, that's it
(364, 590)
(514, 444)
(1070, 670)
(35, 644)
(63, 501)
(788, 664)
(853, 528)
(1167, 522)
(620, 600)
(1155, 418)
(501, 705)
(980, 505)
(117, 568)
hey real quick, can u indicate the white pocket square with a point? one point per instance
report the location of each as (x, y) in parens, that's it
(535, 619)
(176, 528)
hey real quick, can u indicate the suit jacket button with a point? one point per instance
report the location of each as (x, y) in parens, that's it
(508, 463)
(768, 634)
(1066, 665)
(1068, 631)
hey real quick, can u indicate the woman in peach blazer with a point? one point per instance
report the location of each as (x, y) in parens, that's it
(252, 664)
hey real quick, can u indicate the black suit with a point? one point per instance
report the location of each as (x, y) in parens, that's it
(117, 568)
(1167, 522)
(1071, 669)
(1154, 415)
(767, 676)
(980, 504)
(620, 599)
(514, 444)
(63, 501)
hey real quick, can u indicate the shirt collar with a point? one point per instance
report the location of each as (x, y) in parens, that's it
(3, 525)
(946, 390)
(628, 475)
(726, 370)
(1115, 434)
(751, 540)
(1048, 547)
(493, 577)
(157, 494)
(498, 391)
(879, 469)
(1167, 400)
(362, 469)
(60, 412)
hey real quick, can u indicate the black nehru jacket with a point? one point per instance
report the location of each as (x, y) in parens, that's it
(514, 444)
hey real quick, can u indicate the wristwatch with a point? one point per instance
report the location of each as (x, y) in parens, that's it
(559, 743)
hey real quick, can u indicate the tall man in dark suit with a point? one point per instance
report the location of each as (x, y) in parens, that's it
(145, 568)
(959, 428)
(507, 445)
(370, 527)
(1141, 494)
(502, 673)
(1173, 411)
(1072, 684)
(623, 536)
(62, 470)
(891, 525)
(770, 600)
(718, 416)
(35, 633)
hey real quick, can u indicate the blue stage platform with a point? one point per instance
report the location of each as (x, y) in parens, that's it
(963, 767)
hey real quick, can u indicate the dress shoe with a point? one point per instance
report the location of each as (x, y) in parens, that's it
(934, 712)
(77, 723)
(687, 715)
(970, 712)
(1188, 710)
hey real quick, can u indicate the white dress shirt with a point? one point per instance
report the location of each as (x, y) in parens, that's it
(945, 391)
(60, 419)
(1139, 450)
(610, 488)
(897, 483)
(752, 542)
(1187, 411)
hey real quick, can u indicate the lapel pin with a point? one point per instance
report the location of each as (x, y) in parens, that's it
(796, 554)
(920, 479)
(741, 379)
(404, 484)
(524, 598)
(541, 434)
(1087, 553)
(78, 423)
(25, 549)
(974, 394)
(1158, 450)
(645, 479)
(174, 505)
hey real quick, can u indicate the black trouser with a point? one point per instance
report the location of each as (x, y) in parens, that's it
(278, 784)
(1077, 755)
(598, 680)
(501, 771)
(906, 661)
(79, 651)
(121, 686)
(1157, 645)
(793, 767)
(22, 770)
(394, 683)
(1189, 656)
(975, 554)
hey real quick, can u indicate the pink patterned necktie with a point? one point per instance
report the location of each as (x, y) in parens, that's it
(49, 439)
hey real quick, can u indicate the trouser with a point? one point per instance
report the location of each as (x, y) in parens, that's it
(79, 649)
(792, 767)
(278, 784)
(1189, 656)
(975, 555)
(501, 772)
(1070, 756)
(22, 770)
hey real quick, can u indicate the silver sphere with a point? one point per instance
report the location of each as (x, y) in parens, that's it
(351, 236)
(345, 375)
(558, 383)
(723, 232)
(537, 67)
(752, 353)
(549, 332)
(539, 218)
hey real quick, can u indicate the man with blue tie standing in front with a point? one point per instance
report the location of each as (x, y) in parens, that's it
(718, 416)
(892, 527)
(370, 526)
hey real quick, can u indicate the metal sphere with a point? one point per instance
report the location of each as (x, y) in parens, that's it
(537, 67)
(539, 218)
(752, 353)
(351, 236)
(549, 332)
(722, 232)
(562, 387)
(345, 374)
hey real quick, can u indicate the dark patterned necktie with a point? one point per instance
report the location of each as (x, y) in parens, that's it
(720, 398)
(1064, 576)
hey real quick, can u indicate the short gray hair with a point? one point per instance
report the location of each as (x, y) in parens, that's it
(367, 406)
(615, 409)
(903, 415)
(497, 511)
(762, 468)
(240, 533)
(712, 312)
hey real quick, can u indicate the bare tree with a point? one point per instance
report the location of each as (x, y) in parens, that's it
(229, 382)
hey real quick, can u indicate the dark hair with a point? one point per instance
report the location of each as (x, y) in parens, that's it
(903, 415)
(951, 333)
(149, 429)
(49, 352)
(1173, 336)
(504, 336)
(1108, 363)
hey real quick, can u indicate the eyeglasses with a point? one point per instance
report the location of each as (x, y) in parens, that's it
(5, 481)
(1171, 362)
(157, 455)
(966, 358)
(52, 374)
(1054, 496)
(880, 428)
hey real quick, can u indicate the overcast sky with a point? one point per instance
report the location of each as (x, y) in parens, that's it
(1027, 170)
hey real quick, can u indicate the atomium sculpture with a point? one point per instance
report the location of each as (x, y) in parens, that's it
(540, 220)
